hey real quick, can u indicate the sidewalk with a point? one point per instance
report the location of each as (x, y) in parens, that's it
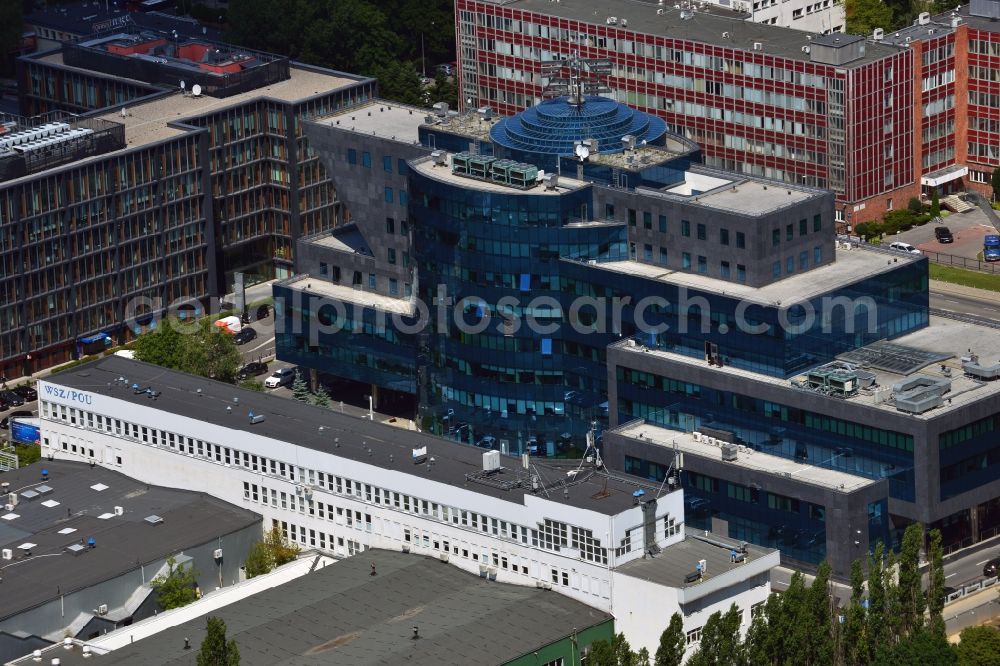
(965, 292)
(971, 611)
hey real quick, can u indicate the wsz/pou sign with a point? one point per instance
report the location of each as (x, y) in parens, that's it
(69, 394)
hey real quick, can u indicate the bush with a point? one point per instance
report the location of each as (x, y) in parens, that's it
(915, 206)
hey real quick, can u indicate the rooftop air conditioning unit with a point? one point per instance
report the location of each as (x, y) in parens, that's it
(8, 507)
(757, 46)
(102, 609)
(8, 554)
(12, 499)
(924, 18)
(119, 511)
(217, 554)
(696, 435)
(612, 20)
(878, 34)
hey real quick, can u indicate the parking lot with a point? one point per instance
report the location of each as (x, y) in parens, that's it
(967, 228)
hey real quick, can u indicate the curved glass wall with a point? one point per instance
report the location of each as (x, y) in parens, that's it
(500, 361)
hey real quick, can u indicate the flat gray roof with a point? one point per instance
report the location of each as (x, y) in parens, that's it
(297, 423)
(763, 463)
(942, 335)
(427, 167)
(379, 117)
(348, 294)
(704, 26)
(677, 561)
(75, 511)
(849, 267)
(341, 614)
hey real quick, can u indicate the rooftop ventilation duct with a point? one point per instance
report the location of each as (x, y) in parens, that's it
(919, 394)
(985, 372)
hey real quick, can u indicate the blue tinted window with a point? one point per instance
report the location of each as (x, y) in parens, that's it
(387, 163)
(388, 195)
(393, 286)
(401, 166)
(724, 236)
(663, 256)
(775, 237)
(741, 273)
(685, 228)
(647, 252)
(702, 233)
(663, 223)
(352, 156)
(402, 198)
(724, 269)
(372, 283)
(366, 160)
(546, 346)
(803, 260)
(686, 259)
(741, 240)
(702, 264)
(776, 269)
(790, 265)
(525, 282)
(817, 255)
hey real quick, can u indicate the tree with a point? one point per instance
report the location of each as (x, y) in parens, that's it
(672, 643)
(177, 587)
(300, 390)
(909, 592)
(935, 209)
(165, 345)
(720, 641)
(995, 184)
(978, 646)
(601, 654)
(617, 652)
(281, 551)
(854, 644)
(260, 560)
(935, 587)
(213, 353)
(215, 649)
(863, 16)
(321, 398)
(875, 625)
(820, 649)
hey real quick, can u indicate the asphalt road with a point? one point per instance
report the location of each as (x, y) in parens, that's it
(964, 305)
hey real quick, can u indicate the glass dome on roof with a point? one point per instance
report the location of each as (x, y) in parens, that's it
(555, 126)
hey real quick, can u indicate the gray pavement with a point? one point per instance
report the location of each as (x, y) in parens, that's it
(967, 228)
(965, 300)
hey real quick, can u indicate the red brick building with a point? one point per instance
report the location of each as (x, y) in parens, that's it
(878, 119)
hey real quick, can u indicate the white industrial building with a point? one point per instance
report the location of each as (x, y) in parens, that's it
(342, 485)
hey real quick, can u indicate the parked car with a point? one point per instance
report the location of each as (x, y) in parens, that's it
(280, 377)
(245, 335)
(253, 369)
(943, 235)
(29, 394)
(446, 68)
(5, 423)
(904, 247)
(263, 311)
(11, 398)
(991, 248)
(488, 442)
(992, 568)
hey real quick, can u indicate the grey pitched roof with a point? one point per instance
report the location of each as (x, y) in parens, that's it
(343, 615)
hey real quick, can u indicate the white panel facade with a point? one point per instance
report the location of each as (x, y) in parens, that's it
(344, 506)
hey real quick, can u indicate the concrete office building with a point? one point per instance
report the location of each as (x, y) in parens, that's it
(344, 485)
(414, 610)
(81, 543)
(877, 119)
(826, 462)
(164, 202)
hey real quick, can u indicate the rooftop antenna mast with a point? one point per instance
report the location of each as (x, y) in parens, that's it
(575, 78)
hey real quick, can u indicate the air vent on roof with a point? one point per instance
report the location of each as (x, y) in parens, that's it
(153, 520)
(76, 548)
(43, 490)
(878, 34)
(420, 455)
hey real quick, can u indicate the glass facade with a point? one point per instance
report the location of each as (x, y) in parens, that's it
(798, 434)
(969, 456)
(499, 259)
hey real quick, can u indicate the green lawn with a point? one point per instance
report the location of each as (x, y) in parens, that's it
(965, 277)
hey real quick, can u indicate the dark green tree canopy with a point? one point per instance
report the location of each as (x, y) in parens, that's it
(215, 649)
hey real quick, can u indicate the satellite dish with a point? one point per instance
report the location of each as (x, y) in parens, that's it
(196, 90)
(582, 151)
